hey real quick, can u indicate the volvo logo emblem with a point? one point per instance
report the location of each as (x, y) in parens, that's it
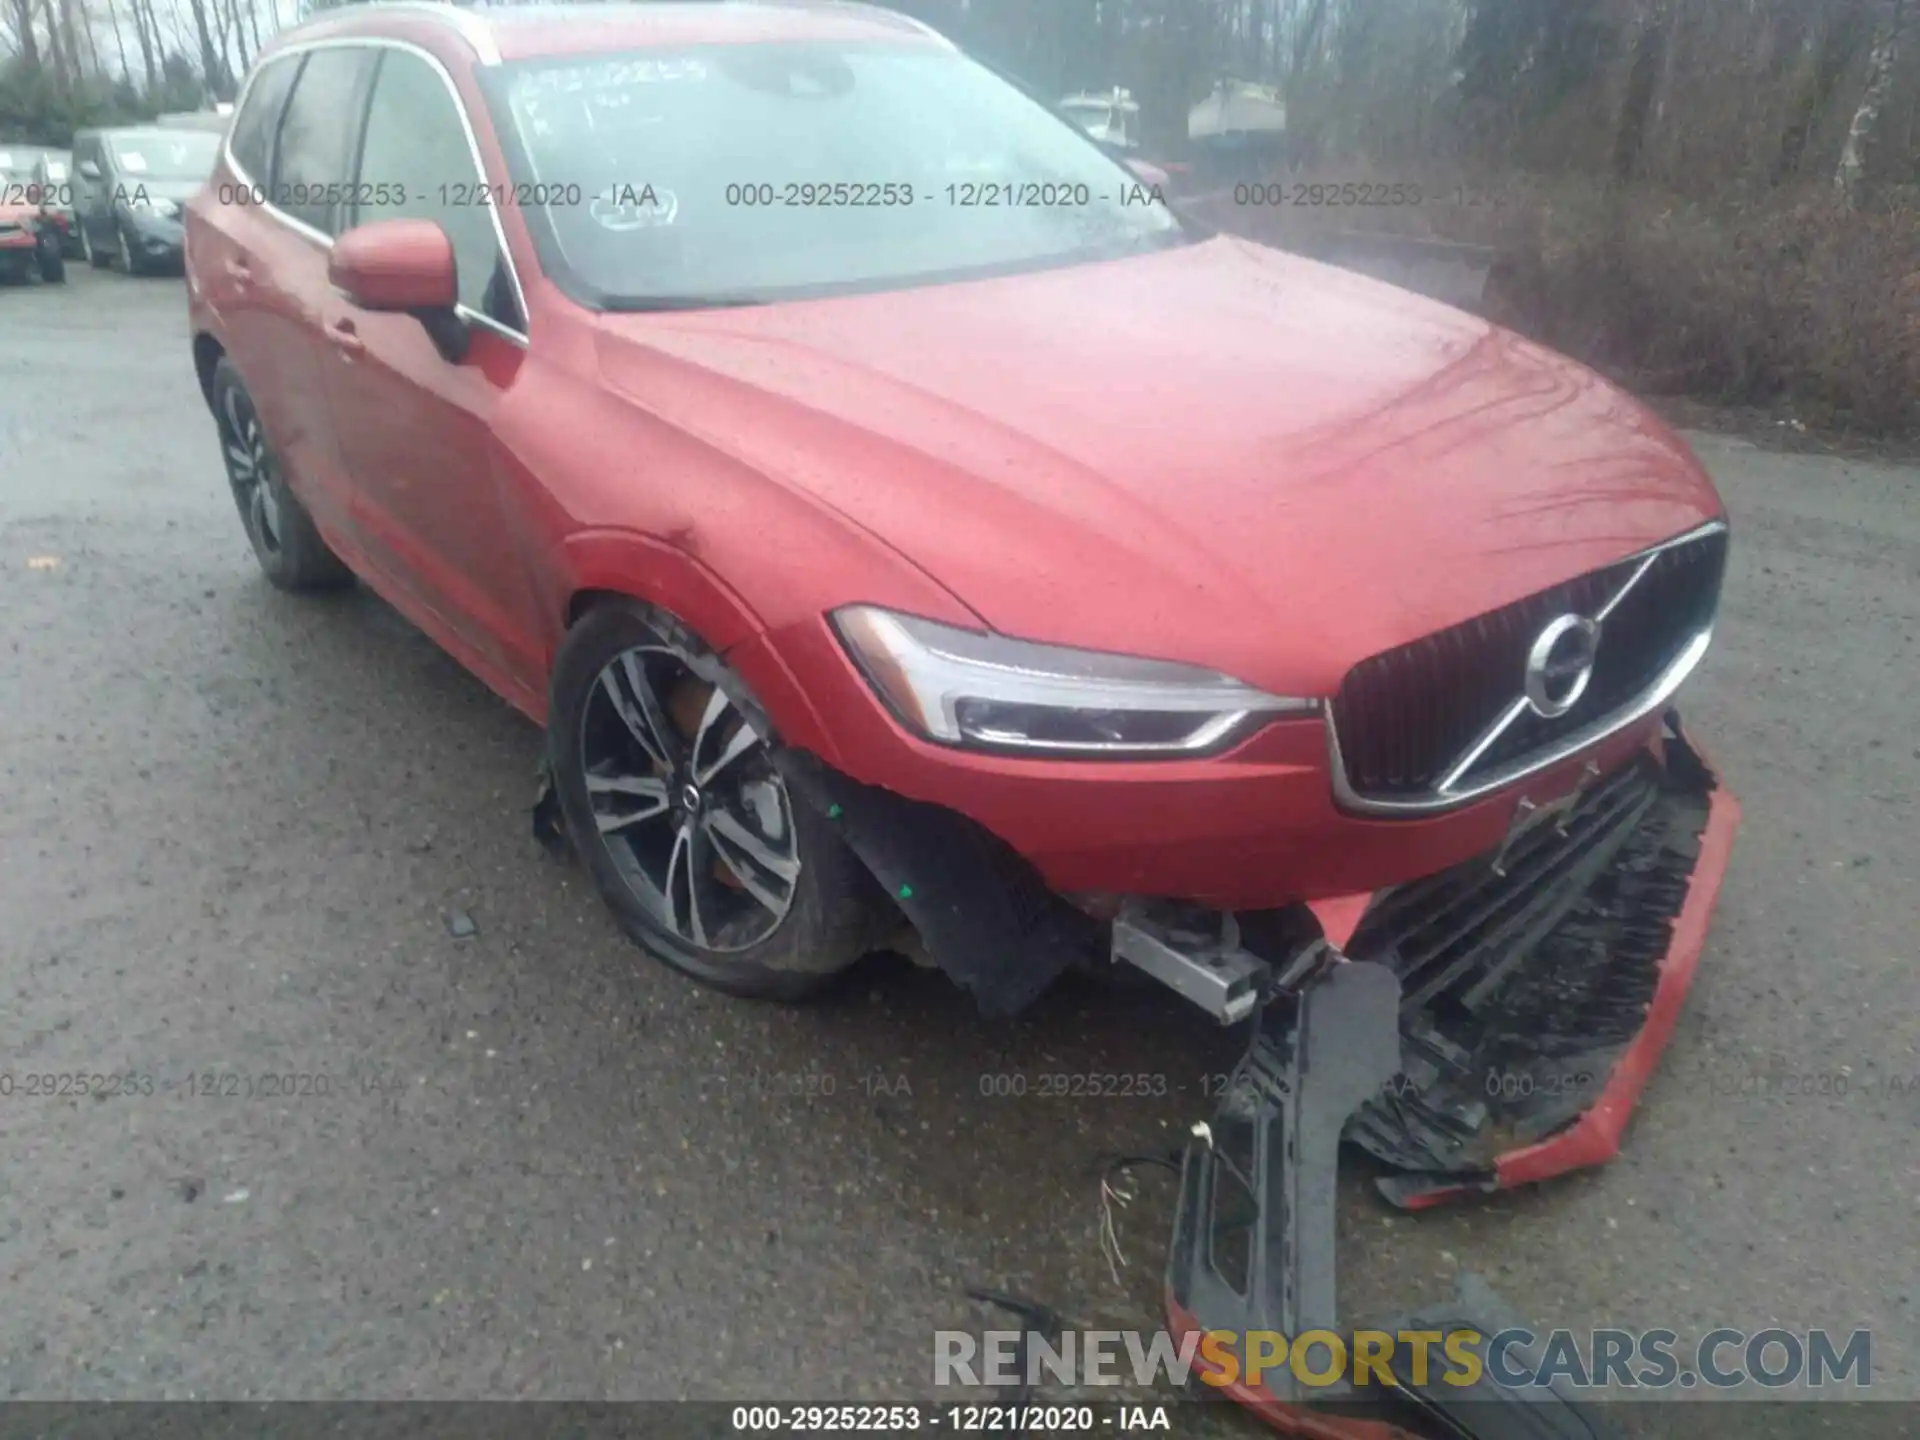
(1560, 665)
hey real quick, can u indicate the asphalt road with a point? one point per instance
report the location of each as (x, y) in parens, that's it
(235, 826)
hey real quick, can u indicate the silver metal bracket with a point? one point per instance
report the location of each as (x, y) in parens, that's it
(1206, 965)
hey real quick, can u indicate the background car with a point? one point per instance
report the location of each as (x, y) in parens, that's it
(53, 172)
(128, 187)
(30, 246)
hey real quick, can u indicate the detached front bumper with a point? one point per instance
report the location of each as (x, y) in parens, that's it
(1536, 1002)
(1485, 1027)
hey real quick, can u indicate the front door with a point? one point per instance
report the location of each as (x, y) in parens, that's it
(415, 426)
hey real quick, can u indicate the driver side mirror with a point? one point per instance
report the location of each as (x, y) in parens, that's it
(403, 266)
(88, 170)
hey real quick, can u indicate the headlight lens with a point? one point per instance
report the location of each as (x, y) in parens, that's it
(165, 209)
(961, 687)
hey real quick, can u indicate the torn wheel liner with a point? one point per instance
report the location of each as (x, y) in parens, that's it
(985, 916)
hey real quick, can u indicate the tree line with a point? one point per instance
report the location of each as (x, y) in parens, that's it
(1697, 94)
(65, 64)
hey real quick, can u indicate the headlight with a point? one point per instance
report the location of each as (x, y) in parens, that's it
(961, 687)
(164, 209)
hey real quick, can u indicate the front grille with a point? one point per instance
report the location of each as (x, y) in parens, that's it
(1406, 717)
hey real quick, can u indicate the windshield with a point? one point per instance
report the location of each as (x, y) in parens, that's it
(157, 156)
(15, 165)
(738, 173)
(56, 170)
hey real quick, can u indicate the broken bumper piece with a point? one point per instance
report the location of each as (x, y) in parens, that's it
(1254, 1237)
(1487, 1026)
(1537, 997)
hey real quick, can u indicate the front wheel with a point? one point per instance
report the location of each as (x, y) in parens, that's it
(672, 798)
(53, 263)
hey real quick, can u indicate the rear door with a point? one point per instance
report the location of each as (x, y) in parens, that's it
(415, 427)
(276, 264)
(234, 238)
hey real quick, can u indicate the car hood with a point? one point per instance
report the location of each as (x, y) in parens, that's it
(1217, 453)
(17, 214)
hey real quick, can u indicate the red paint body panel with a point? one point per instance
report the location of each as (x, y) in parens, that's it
(26, 217)
(1283, 468)
(1283, 1417)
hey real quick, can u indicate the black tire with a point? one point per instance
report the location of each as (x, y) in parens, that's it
(130, 260)
(829, 918)
(53, 264)
(96, 258)
(290, 551)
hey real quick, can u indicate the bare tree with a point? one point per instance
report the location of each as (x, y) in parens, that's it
(119, 38)
(70, 41)
(56, 50)
(1653, 22)
(148, 33)
(21, 12)
(1818, 78)
(210, 63)
(1850, 178)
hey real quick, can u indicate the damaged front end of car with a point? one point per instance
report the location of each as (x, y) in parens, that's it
(1480, 1028)
(1486, 1025)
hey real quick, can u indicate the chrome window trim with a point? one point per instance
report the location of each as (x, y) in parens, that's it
(1451, 795)
(325, 241)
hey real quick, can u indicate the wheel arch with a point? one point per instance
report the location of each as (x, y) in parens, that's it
(207, 353)
(611, 566)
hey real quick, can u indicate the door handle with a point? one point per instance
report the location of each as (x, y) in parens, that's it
(345, 337)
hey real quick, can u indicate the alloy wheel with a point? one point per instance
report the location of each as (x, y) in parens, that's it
(687, 801)
(250, 469)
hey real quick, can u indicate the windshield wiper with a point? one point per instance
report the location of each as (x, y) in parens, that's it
(645, 304)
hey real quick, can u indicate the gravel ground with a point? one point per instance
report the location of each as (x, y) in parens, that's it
(239, 830)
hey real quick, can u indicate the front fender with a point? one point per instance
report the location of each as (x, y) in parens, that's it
(646, 568)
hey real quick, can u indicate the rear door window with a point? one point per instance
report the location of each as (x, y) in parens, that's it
(259, 118)
(319, 131)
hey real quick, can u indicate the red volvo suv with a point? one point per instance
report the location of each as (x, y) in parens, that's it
(898, 516)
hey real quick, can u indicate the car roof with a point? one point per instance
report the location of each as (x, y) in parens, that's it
(518, 32)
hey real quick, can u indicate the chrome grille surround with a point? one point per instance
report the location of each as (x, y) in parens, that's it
(1517, 743)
